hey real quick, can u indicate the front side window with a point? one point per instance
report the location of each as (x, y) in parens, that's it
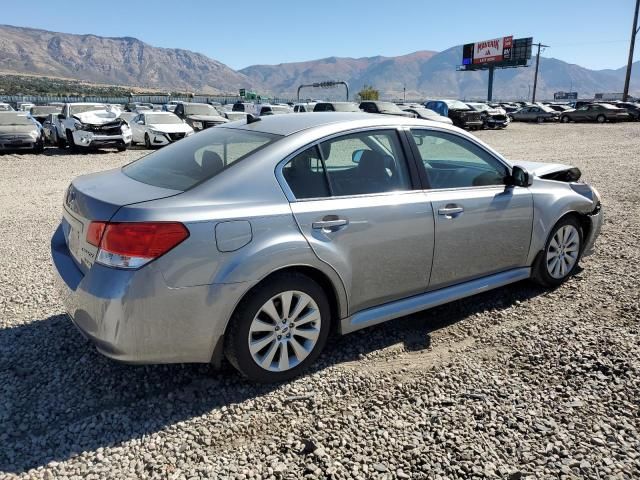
(195, 159)
(451, 161)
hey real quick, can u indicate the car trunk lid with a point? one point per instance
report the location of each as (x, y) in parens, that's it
(97, 197)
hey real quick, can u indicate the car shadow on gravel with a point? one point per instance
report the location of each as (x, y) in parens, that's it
(59, 397)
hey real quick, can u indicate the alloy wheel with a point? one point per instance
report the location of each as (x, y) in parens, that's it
(284, 331)
(563, 251)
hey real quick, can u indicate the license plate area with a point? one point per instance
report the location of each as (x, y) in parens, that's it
(73, 231)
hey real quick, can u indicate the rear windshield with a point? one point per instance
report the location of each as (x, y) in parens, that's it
(159, 118)
(195, 159)
(15, 118)
(45, 110)
(200, 110)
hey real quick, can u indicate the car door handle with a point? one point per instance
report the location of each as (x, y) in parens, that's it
(330, 224)
(450, 210)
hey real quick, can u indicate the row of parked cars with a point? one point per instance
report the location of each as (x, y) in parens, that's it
(579, 111)
(80, 126)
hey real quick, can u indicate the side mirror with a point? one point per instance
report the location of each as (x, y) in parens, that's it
(356, 156)
(519, 177)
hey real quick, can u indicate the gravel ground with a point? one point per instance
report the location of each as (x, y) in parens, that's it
(516, 383)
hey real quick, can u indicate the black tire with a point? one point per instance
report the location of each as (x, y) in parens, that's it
(121, 148)
(39, 148)
(237, 334)
(147, 141)
(540, 273)
(540, 119)
(71, 142)
(59, 141)
(565, 119)
(601, 119)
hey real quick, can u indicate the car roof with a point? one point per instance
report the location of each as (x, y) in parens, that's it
(289, 124)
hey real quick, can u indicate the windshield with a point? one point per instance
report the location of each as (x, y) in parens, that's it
(74, 109)
(161, 119)
(456, 105)
(45, 110)
(388, 107)
(544, 108)
(479, 107)
(195, 159)
(12, 118)
(200, 110)
(609, 106)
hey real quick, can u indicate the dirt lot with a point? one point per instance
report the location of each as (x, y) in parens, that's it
(516, 383)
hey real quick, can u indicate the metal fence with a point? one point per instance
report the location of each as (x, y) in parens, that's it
(158, 99)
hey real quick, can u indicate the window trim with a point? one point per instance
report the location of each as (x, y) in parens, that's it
(423, 174)
(414, 179)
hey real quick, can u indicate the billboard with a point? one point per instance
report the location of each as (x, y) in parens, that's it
(499, 52)
(565, 96)
(488, 51)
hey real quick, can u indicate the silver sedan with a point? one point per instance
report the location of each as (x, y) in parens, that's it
(253, 239)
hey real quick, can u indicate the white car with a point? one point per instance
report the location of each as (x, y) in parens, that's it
(156, 129)
(93, 125)
(304, 107)
(5, 107)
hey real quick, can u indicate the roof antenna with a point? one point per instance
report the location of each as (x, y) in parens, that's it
(252, 119)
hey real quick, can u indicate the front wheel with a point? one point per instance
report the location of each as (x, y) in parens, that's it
(561, 254)
(540, 119)
(564, 119)
(601, 119)
(279, 329)
(147, 141)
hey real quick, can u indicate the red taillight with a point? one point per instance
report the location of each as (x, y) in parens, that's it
(132, 244)
(94, 233)
(146, 239)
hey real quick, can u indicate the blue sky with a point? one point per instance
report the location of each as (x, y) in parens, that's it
(590, 33)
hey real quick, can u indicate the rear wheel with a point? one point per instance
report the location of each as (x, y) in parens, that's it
(601, 119)
(71, 142)
(540, 119)
(564, 119)
(561, 254)
(279, 328)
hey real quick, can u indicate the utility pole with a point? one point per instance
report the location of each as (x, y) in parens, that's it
(492, 69)
(634, 31)
(535, 78)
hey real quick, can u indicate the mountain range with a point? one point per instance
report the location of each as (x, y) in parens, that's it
(129, 61)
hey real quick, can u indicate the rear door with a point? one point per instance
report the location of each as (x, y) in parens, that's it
(364, 213)
(481, 226)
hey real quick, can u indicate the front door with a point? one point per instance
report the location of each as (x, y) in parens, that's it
(364, 215)
(481, 225)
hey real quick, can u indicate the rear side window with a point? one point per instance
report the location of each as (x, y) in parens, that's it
(195, 159)
(305, 175)
(356, 164)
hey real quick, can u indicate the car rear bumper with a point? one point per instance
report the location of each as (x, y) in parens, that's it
(19, 145)
(132, 315)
